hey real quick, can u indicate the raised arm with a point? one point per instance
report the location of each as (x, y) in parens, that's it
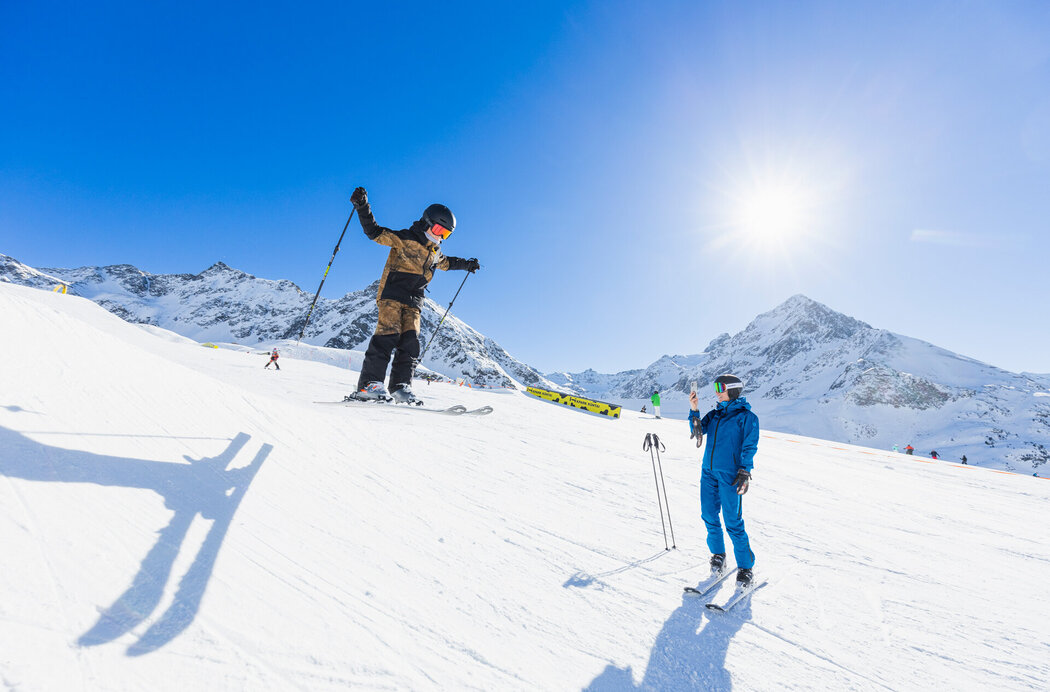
(368, 222)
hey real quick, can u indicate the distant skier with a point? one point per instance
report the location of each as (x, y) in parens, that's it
(273, 359)
(934, 455)
(414, 255)
(729, 455)
(964, 460)
(643, 408)
(896, 449)
(655, 399)
(909, 449)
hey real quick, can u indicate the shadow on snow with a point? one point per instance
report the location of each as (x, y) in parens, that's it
(689, 652)
(203, 486)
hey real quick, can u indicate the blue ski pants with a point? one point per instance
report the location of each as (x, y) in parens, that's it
(718, 494)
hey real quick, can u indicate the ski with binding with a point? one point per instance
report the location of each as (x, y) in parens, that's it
(457, 410)
(736, 598)
(708, 585)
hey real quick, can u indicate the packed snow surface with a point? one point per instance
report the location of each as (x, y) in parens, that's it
(176, 517)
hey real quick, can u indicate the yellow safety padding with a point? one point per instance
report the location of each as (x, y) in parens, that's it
(599, 407)
(209, 345)
(61, 288)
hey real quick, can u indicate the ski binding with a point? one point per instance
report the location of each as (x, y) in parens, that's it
(736, 598)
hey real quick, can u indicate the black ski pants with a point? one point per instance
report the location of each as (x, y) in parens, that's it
(397, 330)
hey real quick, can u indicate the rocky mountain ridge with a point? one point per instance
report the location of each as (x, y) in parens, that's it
(223, 304)
(814, 371)
(807, 368)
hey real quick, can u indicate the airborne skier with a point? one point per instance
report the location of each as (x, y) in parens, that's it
(726, 472)
(414, 255)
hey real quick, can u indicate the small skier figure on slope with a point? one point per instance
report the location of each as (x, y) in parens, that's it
(273, 359)
(415, 253)
(726, 472)
(655, 399)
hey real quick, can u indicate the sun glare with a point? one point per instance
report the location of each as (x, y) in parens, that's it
(775, 212)
(772, 212)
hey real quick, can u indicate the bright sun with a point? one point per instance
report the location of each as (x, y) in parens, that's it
(772, 211)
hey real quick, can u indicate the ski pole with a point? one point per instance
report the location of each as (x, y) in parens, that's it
(431, 340)
(657, 444)
(325, 275)
(647, 445)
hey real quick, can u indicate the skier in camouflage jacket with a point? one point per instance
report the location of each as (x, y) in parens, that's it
(415, 253)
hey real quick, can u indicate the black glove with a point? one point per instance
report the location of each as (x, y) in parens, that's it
(696, 431)
(359, 198)
(472, 265)
(742, 481)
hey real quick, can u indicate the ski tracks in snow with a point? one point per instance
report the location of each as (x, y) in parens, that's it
(61, 597)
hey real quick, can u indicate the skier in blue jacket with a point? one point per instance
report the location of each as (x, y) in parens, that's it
(729, 456)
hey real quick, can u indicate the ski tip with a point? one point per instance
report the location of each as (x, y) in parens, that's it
(715, 607)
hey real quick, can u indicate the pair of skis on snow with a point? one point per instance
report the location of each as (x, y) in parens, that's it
(457, 410)
(708, 587)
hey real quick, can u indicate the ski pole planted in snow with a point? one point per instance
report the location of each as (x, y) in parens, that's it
(325, 275)
(431, 339)
(651, 443)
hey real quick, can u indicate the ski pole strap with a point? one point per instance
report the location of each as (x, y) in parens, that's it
(652, 441)
(659, 445)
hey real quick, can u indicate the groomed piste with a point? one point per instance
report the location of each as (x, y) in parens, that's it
(175, 517)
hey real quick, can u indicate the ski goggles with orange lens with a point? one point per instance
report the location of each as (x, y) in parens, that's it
(440, 231)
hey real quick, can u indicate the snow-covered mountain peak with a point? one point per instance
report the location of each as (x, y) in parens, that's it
(225, 304)
(812, 370)
(717, 342)
(802, 319)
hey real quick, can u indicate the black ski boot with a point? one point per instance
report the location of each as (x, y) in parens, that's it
(718, 563)
(743, 578)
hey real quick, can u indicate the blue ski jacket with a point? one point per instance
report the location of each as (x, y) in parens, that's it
(732, 436)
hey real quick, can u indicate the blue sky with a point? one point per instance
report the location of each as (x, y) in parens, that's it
(636, 178)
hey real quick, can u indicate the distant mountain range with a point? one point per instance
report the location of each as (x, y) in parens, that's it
(813, 371)
(222, 304)
(807, 369)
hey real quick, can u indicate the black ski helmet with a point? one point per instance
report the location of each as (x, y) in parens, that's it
(439, 213)
(732, 384)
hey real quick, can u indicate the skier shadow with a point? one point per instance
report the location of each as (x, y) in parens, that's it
(203, 486)
(683, 658)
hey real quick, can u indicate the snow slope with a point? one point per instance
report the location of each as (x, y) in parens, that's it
(175, 517)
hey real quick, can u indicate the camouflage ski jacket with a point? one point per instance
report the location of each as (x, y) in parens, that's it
(412, 260)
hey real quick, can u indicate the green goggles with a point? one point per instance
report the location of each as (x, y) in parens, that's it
(719, 387)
